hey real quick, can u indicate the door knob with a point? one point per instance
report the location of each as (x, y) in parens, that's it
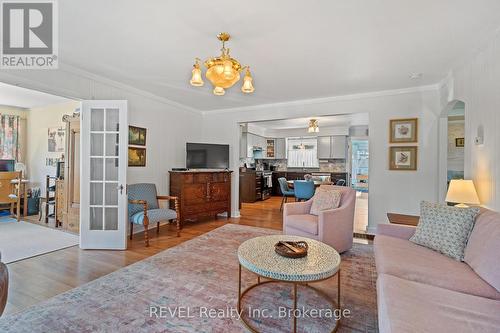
(120, 188)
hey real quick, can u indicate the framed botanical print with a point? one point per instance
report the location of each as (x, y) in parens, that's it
(136, 136)
(403, 158)
(403, 130)
(136, 157)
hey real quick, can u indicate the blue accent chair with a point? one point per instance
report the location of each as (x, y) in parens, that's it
(304, 189)
(144, 208)
(285, 191)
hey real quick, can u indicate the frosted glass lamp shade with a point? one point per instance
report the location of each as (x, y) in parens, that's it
(196, 79)
(219, 91)
(247, 87)
(462, 192)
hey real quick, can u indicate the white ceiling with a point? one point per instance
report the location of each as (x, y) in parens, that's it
(327, 121)
(26, 98)
(296, 49)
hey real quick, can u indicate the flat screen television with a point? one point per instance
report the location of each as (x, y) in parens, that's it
(207, 156)
(7, 165)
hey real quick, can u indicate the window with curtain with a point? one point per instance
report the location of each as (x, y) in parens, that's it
(302, 153)
(10, 128)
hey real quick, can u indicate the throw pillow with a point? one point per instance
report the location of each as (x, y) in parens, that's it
(325, 199)
(445, 229)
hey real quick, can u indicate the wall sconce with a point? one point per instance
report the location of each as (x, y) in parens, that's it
(479, 139)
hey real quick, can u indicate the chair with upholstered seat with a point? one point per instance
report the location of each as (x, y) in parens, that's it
(304, 189)
(285, 191)
(144, 208)
(333, 226)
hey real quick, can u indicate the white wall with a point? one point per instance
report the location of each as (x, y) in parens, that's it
(477, 83)
(390, 191)
(169, 125)
(38, 122)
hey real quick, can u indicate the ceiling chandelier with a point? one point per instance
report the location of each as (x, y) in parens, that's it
(313, 126)
(223, 71)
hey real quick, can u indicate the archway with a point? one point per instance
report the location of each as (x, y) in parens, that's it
(451, 145)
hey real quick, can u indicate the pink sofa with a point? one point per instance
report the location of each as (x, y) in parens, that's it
(333, 227)
(420, 290)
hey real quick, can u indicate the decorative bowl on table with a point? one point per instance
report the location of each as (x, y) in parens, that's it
(291, 249)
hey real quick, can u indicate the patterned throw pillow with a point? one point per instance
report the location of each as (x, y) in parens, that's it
(445, 229)
(325, 198)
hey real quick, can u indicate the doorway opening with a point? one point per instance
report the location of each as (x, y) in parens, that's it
(41, 166)
(452, 142)
(360, 162)
(274, 154)
(456, 142)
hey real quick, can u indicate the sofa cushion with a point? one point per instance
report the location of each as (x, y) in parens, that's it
(444, 228)
(325, 198)
(407, 306)
(402, 258)
(483, 249)
(305, 222)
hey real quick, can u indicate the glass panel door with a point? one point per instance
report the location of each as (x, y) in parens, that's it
(103, 214)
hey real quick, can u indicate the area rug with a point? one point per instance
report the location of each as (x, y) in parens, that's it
(193, 288)
(21, 240)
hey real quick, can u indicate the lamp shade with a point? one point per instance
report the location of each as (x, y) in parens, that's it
(463, 192)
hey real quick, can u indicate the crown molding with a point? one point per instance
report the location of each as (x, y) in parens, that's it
(323, 100)
(38, 85)
(98, 78)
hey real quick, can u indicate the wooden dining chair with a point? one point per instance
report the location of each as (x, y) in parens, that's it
(9, 191)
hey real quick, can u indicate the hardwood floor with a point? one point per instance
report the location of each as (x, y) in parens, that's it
(39, 278)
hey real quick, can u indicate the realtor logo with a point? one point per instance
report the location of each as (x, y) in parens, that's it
(29, 34)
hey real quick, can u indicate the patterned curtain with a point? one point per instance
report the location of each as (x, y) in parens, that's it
(9, 137)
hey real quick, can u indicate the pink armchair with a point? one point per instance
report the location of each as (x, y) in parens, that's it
(333, 227)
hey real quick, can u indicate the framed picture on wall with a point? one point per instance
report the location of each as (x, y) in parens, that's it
(403, 158)
(136, 136)
(403, 130)
(459, 142)
(136, 157)
(56, 139)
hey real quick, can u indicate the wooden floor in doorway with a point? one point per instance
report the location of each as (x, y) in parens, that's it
(39, 278)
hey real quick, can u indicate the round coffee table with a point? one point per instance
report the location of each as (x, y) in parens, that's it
(257, 255)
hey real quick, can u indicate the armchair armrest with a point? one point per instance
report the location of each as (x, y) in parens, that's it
(396, 230)
(166, 197)
(139, 202)
(297, 208)
(176, 202)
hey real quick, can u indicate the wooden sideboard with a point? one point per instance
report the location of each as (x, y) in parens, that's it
(201, 193)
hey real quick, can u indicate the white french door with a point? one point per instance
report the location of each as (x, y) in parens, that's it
(103, 165)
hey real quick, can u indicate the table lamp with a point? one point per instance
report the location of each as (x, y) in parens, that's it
(462, 192)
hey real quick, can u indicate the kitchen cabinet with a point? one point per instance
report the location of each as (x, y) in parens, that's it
(332, 147)
(270, 148)
(339, 146)
(280, 148)
(324, 147)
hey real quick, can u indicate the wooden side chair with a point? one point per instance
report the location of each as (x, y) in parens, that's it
(144, 208)
(9, 191)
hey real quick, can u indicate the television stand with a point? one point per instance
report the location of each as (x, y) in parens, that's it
(201, 192)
